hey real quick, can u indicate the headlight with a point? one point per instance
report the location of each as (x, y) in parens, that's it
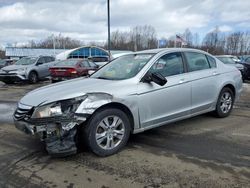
(58, 108)
(19, 71)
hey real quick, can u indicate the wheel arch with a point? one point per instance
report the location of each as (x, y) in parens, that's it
(230, 86)
(35, 71)
(121, 107)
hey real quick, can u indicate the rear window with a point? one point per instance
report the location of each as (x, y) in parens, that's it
(67, 63)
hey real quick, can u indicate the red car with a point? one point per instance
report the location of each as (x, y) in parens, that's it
(71, 68)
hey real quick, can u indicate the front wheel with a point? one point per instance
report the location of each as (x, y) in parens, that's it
(107, 131)
(33, 77)
(225, 103)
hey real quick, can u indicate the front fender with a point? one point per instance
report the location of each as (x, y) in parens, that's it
(95, 101)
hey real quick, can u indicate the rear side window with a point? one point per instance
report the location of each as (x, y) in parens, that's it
(196, 61)
(41, 60)
(169, 65)
(85, 63)
(49, 59)
(212, 61)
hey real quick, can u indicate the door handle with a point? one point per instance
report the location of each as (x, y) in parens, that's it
(182, 81)
(215, 73)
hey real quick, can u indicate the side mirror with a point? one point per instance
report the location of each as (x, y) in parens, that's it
(155, 77)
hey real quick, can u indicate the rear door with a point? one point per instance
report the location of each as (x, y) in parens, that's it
(42, 67)
(203, 76)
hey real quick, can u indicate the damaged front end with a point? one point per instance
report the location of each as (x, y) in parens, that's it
(55, 123)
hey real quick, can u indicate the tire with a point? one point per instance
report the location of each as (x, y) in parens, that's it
(33, 77)
(225, 103)
(101, 131)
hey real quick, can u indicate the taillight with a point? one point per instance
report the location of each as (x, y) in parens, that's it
(72, 71)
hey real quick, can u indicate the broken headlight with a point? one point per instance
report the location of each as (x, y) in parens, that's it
(58, 108)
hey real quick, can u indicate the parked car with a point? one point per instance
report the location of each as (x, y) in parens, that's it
(29, 69)
(71, 68)
(246, 63)
(229, 61)
(236, 59)
(131, 94)
(244, 57)
(99, 60)
(6, 62)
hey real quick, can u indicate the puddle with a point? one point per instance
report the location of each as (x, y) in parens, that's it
(6, 112)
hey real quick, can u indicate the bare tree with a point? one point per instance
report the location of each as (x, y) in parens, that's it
(60, 42)
(188, 37)
(144, 37)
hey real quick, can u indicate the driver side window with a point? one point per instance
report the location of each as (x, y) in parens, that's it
(169, 65)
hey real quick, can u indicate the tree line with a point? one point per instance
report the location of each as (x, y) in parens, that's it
(214, 42)
(145, 37)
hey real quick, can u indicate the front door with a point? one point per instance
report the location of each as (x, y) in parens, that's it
(162, 104)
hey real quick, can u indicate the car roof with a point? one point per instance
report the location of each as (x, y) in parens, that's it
(158, 50)
(225, 56)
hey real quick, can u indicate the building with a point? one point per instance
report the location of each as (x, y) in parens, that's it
(96, 53)
(85, 52)
(17, 53)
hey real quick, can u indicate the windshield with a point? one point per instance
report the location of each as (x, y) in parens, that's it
(26, 61)
(124, 67)
(226, 60)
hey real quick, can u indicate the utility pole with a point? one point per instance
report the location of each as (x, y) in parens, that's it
(54, 45)
(109, 45)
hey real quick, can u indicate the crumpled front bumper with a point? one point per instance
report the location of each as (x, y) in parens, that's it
(59, 137)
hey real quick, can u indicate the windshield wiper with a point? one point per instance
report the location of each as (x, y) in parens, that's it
(104, 78)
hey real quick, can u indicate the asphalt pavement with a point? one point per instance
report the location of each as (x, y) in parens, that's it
(203, 151)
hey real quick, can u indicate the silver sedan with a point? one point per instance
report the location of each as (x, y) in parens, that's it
(131, 94)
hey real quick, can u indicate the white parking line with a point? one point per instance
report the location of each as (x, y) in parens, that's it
(241, 134)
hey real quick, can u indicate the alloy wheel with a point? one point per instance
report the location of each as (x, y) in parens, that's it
(226, 102)
(110, 132)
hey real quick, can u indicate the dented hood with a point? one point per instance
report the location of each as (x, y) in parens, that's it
(69, 89)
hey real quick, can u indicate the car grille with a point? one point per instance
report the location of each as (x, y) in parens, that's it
(7, 74)
(23, 112)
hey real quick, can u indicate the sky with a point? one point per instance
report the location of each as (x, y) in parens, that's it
(86, 20)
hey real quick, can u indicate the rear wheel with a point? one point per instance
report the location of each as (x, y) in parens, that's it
(225, 103)
(107, 131)
(33, 77)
